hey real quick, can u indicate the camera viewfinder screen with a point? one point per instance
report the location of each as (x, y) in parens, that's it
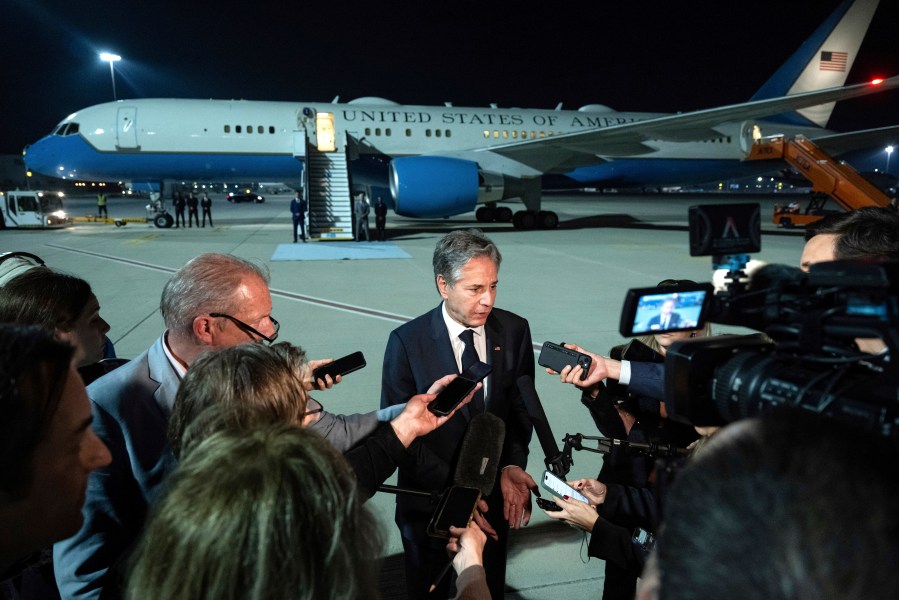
(672, 311)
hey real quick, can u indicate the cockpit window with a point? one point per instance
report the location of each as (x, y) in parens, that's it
(72, 129)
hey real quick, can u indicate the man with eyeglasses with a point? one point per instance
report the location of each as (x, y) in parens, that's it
(214, 301)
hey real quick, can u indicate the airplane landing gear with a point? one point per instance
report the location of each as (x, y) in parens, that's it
(488, 214)
(528, 219)
(485, 214)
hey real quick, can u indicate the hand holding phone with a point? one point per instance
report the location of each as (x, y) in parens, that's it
(342, 366)
(454, 393)
(557, 357)
(559, 488)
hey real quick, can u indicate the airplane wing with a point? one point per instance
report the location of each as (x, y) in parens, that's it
(839, 143)
(584, 147)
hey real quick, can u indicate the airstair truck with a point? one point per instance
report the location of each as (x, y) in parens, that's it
(828, 177)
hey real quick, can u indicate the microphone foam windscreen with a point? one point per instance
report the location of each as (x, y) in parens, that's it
(480, 453)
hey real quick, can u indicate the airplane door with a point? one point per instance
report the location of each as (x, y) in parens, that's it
(126, 128)
(325, 132)
(749, 133)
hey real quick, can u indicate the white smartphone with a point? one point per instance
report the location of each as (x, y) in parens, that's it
(559, 488)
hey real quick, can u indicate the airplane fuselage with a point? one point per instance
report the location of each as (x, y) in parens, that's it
(227, 140)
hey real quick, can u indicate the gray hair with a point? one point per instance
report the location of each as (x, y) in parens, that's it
(456, 248)
(206, 283)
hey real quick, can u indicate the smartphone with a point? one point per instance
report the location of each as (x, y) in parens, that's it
(341, 366)
(557, 357)
(547, 504)
(559, 488)
(455, 509)
(454, 393)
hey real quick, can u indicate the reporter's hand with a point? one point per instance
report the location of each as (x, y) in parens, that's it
(580, 514)
(516, 486)
(466, 546)
(416, 420)
(325, 383)
(482, 522)
(594, 490)
(600, 368)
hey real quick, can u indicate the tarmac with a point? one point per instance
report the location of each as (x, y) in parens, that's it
(569, 283)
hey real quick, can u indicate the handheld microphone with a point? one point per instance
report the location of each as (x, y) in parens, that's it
(555, 460)
(480, 453)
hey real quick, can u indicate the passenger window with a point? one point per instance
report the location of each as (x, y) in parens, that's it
(437, 132)
(427, 133)
(260, 129)
(486, 134)
(505, 134)
(387, 131)
(368, 131)
(449, 133)
(514, 135)
(227, 129)
(408, 133)
(237, 128)
(377, 131)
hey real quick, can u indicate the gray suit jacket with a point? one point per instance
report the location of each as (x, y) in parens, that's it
(131, 408)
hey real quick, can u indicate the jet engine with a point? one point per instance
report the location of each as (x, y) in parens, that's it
(433, 186)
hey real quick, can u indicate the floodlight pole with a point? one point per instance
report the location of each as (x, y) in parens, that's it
(111, 58)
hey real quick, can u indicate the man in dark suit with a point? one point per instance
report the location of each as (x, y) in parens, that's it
(192, 213)
(179, 204)
(466, 266)
(667, 318)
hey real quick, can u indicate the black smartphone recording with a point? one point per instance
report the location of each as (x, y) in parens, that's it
(557, 357)
(547, 505)
(342, 366)
(455, 510)
(454, 393)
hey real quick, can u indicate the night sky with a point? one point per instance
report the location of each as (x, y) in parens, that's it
(636, 56)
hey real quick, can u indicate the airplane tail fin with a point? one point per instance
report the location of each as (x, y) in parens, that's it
(823, 61)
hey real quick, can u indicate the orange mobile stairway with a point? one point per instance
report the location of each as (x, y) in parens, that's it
(827, 176)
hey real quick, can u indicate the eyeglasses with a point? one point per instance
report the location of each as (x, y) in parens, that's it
(313, 411)
(250, 330)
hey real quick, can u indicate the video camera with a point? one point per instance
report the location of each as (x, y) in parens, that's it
(805, 357)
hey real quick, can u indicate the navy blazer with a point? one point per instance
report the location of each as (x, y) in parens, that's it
(131, 408)
(419, 353)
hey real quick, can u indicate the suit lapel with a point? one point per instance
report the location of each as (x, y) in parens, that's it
(493, 330)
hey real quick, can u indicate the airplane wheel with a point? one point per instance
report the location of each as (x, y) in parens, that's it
(484, 214)
(548, 219)
(163, 221)
(503, 214)
(786, 222)
(524, 219)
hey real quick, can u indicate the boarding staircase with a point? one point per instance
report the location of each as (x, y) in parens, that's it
(828, 177)
(330, 203)
(327, 182)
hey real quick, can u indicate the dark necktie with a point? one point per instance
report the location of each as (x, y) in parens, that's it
(469, 357)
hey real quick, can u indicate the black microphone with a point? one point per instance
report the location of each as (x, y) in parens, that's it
(554, 459)
(480, 453)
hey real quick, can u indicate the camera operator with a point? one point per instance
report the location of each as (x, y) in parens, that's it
(869, 232)
(621, 414)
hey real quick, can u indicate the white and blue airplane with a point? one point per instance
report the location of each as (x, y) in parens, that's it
(443, 160)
